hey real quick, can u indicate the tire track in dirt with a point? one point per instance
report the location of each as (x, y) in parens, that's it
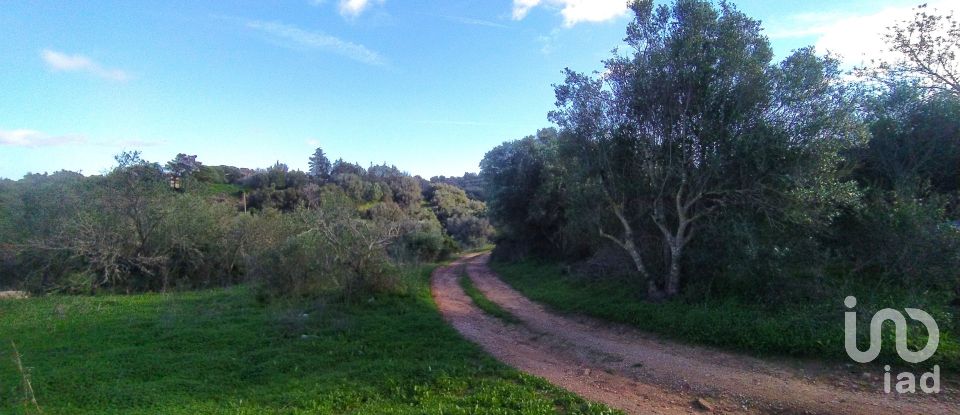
(639, 374)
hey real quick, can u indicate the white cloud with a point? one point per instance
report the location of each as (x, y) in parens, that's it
(474, 22)
(354, 8)
(62, 62)
(318, 40)
(32, 138)
(574, 11)
(522, 7)
(548, 42)
(856, 38)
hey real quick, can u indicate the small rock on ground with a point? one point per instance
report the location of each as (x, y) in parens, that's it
(703, 405)
(12, 295)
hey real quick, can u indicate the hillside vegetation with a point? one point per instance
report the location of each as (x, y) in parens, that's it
(146, 227)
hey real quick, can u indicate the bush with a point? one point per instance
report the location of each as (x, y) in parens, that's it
(464, 219)
(470, 231)
(129, 231)
(423, 239)
(906, 241)
(330, 250)
(196, 238)
(126, 231)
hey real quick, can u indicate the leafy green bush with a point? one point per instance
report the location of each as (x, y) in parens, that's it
(470, 231)
(464, 219)
(325, 250)
(905, 241)
(198, 245)
(423, 240)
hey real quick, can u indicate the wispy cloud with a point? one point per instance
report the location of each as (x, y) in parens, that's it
(62, 62)
(318, 40)
(33, 138)
(474, 22)
(574, 11)
(522, 7)
(548, 41)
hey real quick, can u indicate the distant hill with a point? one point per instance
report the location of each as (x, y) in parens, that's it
(469, 182)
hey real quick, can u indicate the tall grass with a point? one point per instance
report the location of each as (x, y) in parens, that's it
(29, 398)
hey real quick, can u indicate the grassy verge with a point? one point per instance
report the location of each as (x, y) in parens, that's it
(221, 352)
(484, 303)
(480, 249)
(803, 330)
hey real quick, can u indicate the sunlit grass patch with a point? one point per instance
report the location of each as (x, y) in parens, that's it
(222, 352)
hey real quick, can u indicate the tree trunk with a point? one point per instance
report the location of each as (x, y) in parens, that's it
(630, 247)
(673, 278)
(678, 238)
(653, 291)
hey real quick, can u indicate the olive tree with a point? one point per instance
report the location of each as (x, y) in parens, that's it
(697, 119)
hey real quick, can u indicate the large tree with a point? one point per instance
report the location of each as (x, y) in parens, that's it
(320, 165)
(696, 119)
(183, 165)
(525, 193)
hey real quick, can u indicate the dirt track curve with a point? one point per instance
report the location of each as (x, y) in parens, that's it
(640, 374)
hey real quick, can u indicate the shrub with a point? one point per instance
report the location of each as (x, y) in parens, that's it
(905, 240)
(423, 240)
(332, 250)
(470, 231)
(195, 238)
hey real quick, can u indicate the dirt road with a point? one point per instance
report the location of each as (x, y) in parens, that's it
(641, 374)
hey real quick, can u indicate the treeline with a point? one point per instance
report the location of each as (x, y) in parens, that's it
(471, 183)
(697, 166)
(150, 227)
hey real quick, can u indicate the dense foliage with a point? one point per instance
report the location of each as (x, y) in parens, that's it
(144, 227)
(698, 167)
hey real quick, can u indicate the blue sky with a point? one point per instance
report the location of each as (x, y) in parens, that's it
(426, 85)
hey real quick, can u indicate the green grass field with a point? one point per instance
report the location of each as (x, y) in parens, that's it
(221, 352)
(803, 330)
